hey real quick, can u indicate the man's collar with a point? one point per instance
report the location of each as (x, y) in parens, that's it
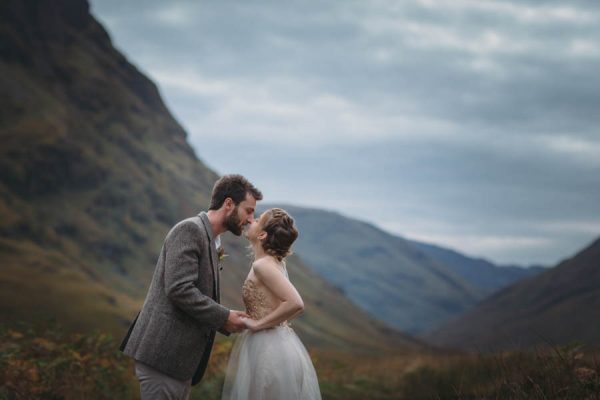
(204, 217)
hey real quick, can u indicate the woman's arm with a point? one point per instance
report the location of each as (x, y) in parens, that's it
(291, 304)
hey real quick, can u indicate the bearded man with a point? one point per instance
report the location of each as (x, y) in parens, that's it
(172, 336)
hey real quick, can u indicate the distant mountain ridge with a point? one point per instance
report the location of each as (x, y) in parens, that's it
(479, 272)
(409, 284)
(557, 307)
(94, 171)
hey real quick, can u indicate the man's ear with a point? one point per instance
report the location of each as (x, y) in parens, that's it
(228, 203)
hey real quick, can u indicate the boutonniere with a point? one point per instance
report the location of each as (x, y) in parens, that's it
(221, 254)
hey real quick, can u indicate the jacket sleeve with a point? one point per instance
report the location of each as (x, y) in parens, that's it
(223, 331)
(182, 251)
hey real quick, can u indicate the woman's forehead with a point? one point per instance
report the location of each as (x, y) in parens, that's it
(263, 216)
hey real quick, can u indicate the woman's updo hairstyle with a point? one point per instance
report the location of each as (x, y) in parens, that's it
(281, 233)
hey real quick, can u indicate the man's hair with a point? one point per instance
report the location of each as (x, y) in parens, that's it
(234, 186)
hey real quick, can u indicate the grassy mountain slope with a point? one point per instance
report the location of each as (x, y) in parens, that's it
(385, 274)
(559, 306)
(94, 171)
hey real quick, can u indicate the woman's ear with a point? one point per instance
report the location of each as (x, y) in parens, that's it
(262, 236)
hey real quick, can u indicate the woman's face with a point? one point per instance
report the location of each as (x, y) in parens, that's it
(256, 228)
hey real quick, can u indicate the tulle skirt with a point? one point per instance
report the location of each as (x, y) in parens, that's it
(272, 364)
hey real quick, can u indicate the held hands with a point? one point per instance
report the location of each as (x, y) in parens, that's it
(251, 324)
(235, 322)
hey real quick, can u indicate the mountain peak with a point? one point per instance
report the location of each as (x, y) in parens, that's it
(43, 14)
(38, 34)
(94, 170)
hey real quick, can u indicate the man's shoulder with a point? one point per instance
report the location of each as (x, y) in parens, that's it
(192, 224)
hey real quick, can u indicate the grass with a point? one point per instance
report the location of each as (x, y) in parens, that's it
(39, 284)
(541, 373)
(45, 362)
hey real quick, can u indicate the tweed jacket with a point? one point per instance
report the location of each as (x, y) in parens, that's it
(175, 329)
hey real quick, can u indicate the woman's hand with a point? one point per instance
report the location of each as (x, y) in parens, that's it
(251, 324)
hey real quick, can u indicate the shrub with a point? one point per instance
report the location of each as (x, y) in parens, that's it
(46, 363)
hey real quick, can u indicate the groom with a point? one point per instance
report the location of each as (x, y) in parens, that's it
(172, 336)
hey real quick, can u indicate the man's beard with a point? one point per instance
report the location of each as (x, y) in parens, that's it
(232, 223)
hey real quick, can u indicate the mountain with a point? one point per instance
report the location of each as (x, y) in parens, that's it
(93, 168)
(94, 171)
(559, 306)
(387, 275)
(478, 272)
(331, 320)
(417, 286)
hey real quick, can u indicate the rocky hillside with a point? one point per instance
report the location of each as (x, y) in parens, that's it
(94, 170)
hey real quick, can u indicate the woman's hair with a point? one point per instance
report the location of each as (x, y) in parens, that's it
(281, 233)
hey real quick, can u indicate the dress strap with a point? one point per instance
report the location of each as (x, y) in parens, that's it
(284, 269)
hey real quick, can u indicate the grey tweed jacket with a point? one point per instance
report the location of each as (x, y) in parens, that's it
(175, 330)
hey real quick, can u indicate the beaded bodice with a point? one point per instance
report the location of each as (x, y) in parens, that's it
(255, 299)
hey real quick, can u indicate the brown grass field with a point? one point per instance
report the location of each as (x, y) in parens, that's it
(46, 363)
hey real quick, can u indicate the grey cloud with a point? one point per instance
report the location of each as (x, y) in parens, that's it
(489, 172)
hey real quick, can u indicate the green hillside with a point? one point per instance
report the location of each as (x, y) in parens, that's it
(94, 170)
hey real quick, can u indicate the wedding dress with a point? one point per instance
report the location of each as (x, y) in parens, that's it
(270, 364)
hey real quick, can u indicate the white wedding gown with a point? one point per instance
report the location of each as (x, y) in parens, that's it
(271, 364)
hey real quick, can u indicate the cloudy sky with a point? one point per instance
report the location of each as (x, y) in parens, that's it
(467, 123)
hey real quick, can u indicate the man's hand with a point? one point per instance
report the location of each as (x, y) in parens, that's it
(234, 322)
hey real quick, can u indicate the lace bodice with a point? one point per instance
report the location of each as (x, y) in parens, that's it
(256, 300)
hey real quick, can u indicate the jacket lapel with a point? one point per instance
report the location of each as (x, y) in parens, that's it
(213, 254)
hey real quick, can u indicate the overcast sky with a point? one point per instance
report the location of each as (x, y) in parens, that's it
(469, 124)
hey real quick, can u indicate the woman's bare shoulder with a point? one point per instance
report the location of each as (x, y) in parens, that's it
(265, 267)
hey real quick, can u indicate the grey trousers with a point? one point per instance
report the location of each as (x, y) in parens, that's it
(155, 385)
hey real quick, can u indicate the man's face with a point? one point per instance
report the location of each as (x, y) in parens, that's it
(241, 215)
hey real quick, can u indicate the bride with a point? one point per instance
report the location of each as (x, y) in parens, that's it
(268, 361)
